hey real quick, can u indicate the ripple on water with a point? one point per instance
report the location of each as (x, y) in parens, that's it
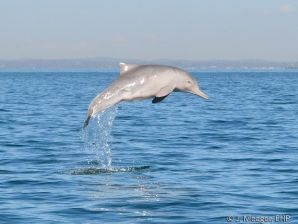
(98, 170)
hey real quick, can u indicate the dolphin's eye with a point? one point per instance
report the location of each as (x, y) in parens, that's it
(188, 81)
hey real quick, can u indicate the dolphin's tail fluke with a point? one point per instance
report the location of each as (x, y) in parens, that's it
(87, 121)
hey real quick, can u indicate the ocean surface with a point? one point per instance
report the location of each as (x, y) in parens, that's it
(184, 160)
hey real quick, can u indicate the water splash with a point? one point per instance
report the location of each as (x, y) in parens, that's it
(97, 136)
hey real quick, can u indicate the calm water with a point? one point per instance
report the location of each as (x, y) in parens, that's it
(184, 160)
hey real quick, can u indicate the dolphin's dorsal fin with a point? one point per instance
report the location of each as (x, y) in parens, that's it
(126, 67)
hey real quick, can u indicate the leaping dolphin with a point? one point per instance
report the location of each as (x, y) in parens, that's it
(142, 82)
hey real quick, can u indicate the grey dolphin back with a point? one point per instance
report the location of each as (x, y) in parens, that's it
(137, 82)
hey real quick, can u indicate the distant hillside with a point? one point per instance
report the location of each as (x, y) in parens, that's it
(106, 64)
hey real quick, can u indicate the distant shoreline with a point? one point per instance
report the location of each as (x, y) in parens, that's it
(111, 65)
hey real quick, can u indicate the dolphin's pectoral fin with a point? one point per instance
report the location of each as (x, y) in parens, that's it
(158, 99)
(164, 91)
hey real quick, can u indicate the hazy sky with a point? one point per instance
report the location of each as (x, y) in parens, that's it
(152, 29)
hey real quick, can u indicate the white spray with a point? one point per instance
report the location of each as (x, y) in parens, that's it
(97, 136)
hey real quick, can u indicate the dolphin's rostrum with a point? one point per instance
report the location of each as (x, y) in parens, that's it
(142, 82)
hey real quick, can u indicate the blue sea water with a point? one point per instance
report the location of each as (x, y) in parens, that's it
(184, 160)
